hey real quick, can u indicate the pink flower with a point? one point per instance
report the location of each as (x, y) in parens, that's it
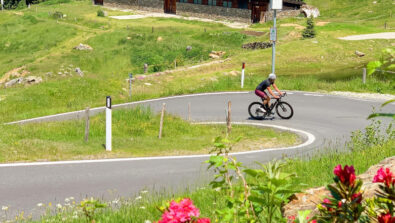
(384, 177)
(182, 212)
(357, 197)
(386, 218)
(313, 221)
(326, 203)
(346, 175)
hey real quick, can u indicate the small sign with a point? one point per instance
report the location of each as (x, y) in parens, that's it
(276, 4)
(273, 34)
(108, 102)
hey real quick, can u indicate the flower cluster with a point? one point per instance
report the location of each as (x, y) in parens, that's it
(293, 219)
(346, 175)
(384, 176)
(386, 218)
(182, 212)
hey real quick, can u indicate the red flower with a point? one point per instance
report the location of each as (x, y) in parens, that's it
(357, 197)
(386, 218)
(346, 175)
(313, 221)
(384, 177)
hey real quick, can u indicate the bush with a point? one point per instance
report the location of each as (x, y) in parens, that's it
(309, 31)
(57, 15)
(100, 13)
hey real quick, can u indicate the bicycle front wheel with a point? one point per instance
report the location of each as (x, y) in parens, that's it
(284, 110)
(256, 111)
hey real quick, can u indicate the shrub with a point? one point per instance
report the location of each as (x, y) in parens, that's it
(309, 31)
(57, 15)
(100, 13)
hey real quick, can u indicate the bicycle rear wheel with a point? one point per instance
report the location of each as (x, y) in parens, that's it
(284, 110)
(256, 111)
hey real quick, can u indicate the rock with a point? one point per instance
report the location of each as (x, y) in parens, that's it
(14, 73)
(49, 74)
(216, 54)
(189, 48)
(79, 71)
(159, 39)
(310, 11)
(14, 82)
(105, 13)
(314, 41)
(257, 45)
(309, 199)
(213, 56)
(128, 38)
(83, 47)
(33, 80)
(148, 84)
(359, 53)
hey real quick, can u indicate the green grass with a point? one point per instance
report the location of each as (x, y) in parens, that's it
(135, 134)
(317, 171)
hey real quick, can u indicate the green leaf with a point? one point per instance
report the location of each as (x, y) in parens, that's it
(372, 66)
(388, 102)
(374, 115)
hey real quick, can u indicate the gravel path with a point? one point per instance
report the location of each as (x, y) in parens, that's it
(387, 35)
(144, 14)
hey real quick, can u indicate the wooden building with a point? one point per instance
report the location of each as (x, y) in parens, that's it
(246, 10)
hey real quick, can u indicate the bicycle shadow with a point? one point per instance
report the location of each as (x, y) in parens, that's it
(264, 119)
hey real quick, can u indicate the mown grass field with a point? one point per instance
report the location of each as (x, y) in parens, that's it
(135, 134)
(34, 39)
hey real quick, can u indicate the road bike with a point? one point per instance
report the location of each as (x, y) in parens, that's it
(283, 109)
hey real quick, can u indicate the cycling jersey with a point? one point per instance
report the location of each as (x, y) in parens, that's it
(264, 85)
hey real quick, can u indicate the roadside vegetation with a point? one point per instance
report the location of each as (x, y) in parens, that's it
(135, 134)
(121, 47)
(307, 171)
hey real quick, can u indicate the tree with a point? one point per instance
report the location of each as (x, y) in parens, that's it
(309, 31)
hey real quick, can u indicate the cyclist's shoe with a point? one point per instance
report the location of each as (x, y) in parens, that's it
(262, 110)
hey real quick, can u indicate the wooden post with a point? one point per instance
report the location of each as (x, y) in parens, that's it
(189, 111)
(228, 118)
(364, 75)
(145, 68)
(161, 120)
(87, 124)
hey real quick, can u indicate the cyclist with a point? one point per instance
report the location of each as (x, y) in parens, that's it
(260, 90)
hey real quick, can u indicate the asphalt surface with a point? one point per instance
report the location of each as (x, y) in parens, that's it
(331, 119)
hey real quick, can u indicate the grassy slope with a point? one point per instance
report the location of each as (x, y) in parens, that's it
(135, 134)
(328, 64)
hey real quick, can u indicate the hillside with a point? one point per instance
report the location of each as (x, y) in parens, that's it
(43, 45)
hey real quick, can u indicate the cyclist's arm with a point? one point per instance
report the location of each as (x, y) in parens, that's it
(271, 92)
(276, 88)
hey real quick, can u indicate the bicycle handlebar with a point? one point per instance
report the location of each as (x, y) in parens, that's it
(285, 93)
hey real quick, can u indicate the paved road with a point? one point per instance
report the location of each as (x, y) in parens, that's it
(329, 118)
(387, 35)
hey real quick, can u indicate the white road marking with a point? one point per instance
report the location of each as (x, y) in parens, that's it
(126, 104)
(310, 139)
(314, 95)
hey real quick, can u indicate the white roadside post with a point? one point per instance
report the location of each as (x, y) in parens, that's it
(2, 5)
(274, 5)
(130, 85)
(108, 124)
(242, 75)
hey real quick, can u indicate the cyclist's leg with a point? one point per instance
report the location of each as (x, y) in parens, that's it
(265, 98)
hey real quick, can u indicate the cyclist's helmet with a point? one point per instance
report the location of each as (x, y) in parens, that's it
(272, 76)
